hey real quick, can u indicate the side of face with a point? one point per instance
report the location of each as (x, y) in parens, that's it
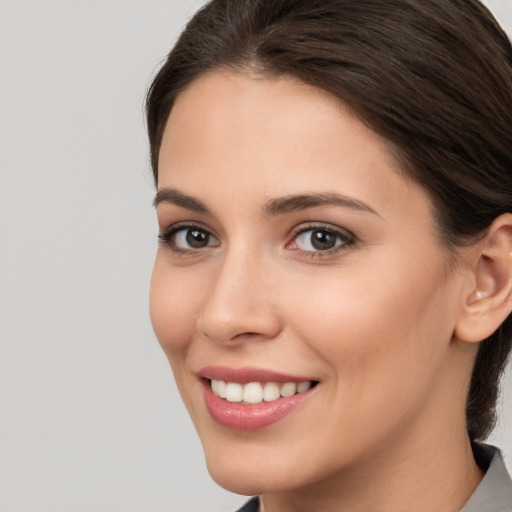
(293, 246)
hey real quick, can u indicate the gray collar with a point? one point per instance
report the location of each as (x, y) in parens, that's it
(494, 494)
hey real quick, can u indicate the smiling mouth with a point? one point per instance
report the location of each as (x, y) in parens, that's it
(257, 392)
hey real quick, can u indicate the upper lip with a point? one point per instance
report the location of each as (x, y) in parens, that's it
(245, 375)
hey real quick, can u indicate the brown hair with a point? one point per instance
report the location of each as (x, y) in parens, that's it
(433, 77)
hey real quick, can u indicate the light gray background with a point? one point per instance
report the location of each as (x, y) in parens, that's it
(89, 416)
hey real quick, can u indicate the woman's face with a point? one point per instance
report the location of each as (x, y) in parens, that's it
(295, 257)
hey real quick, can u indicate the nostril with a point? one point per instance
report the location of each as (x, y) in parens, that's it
(248, 334)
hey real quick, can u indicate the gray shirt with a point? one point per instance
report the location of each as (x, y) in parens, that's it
(494, 494)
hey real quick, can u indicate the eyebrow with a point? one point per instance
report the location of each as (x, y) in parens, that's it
(276, 206)
(173, 196)
(299, 202)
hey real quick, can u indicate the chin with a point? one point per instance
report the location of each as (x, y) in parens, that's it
(252, 468)
(241, 477)
(238, 482)
(239, 469)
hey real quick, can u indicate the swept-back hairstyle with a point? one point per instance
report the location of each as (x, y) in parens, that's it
(432, 77)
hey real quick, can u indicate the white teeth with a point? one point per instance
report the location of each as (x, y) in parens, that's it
(303, 386)
(221, 388)
(288, 389)
(255, 392)
(234, 392)
(271, 392)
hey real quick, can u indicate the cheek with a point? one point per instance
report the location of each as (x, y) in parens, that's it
(374, 325)
(173, 309)
(383, 344)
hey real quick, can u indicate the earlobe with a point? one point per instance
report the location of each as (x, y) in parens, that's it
(489, 303)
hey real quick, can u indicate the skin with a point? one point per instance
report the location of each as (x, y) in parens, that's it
(373, 321)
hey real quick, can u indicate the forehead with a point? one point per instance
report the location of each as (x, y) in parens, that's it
(249, 109)
(274, 136)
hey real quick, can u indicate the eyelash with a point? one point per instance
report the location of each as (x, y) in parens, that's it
(167, 237)
(347, 239)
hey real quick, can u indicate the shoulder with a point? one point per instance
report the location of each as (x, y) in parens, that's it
(494, 494)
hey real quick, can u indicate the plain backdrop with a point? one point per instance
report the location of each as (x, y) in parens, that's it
(89, 416)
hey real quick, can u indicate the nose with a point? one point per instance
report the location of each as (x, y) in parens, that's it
(240, 305)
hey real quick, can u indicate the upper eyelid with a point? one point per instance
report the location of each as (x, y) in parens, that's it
(164, 235)
(309, 226)
(176, 226)
(169, 215)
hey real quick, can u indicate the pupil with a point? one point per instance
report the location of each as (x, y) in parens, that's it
(323, 240)
(197, 239)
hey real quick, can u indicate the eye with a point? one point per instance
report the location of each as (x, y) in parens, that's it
(188, 238)
(192, 238)
(321, 239)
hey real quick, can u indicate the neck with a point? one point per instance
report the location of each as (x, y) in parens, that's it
(425, 477)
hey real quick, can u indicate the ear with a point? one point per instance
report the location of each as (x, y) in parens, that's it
(489, 302)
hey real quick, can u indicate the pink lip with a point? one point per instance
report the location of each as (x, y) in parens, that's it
(240, 416)
(246, 375)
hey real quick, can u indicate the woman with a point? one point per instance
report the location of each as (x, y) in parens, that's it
(333, 284)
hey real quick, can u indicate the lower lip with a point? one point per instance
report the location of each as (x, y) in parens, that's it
(239, 416)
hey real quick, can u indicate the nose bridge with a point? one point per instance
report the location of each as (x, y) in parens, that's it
(240, 300)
